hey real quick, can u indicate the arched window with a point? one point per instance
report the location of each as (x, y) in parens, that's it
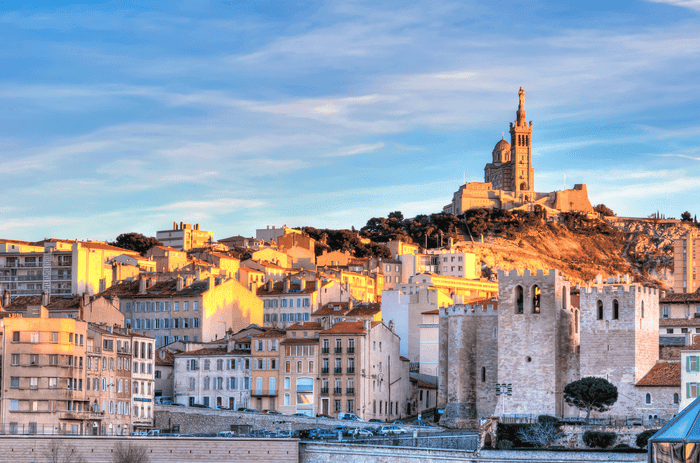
(565, 299)
(576, 323)
(483, 374)
(616, 310)
(518, 299)
(299, 366)
(675, 398)
(287, 399)
(642, 309)
(523, 186)
(536, 299)
(311, 366)
(648, 398)
(288, 367)
(599, 305)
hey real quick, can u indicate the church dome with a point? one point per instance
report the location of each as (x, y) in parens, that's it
(502, 145)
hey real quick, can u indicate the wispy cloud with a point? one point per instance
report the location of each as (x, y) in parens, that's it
(357, 149)
(691, 4)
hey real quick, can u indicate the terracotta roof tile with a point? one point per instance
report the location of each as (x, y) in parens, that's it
(346, 328)
(663, 322)
(278, 288)
(663, 374)
(300, 341)
(158, 289)
(204, 351)
(269, 334)
(305, 326)
(681, 297)
(366, 309)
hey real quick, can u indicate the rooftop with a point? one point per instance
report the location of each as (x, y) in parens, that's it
(663, 374)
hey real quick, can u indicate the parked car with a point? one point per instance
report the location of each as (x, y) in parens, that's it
(349, 416)
(154, 433)
(302, 433)
(198, 406)
(249, 410)
(259, 433)
(271, 412)
(421, 424)
(317, 416)
(175, 404)
(284, 434)
(391, 429)
(376, 420)
(326, 434)
(344, 429)
(300, 414)
(359, 433)
(226, 434)
(399, 423)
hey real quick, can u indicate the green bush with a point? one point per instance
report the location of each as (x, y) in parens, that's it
(599, 439)
(504, 444)
(643, 438)
(622, 446)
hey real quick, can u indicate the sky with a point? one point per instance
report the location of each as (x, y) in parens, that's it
(126, 116)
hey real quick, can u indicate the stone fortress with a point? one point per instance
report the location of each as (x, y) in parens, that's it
(538, 341)
(509, 180)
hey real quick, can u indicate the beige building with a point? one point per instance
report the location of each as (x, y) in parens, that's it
(57, 267)
(227, 265)
(429, 349)
(168, 259)
(680, 306)
(288, 302)
(172, 311)
(686, 261)
(271, 271)
(142, 381)
(265, 350)
(185, 236)
(272, 256)
(251, 278)
(92, 309)
(299, 355)
(361, 371)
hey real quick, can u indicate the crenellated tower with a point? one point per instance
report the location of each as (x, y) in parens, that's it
(522, 173)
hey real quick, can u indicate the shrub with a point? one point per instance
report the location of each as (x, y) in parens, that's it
(598, 439)
(643, 438)
(504, 444)
(510, 432)
(622, 446)
(549, 419)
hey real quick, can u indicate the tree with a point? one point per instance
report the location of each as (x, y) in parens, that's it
(591, 393)
(686, 217)
(541, 434)
(130, 453)
(603, 210)
(58, 452)
(396, 215)
(136, 242)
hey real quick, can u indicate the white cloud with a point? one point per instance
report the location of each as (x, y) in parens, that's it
(357, 149)
(691, 4)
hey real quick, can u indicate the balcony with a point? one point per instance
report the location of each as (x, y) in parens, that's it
(325, 350)
(324, 391)
(338, 371)
(337, 391)
(85, 415)
(264, 393)
(350, 391)
(351, 350)
(351, 370)
(338, 350)
(324, 370)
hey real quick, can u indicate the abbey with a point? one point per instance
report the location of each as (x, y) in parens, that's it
(509, 179)
(545, 334)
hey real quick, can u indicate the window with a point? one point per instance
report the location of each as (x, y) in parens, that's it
(15, 336)
(615, 310)
(34, 338)
(518, 299)
(287, 383)
(53, 383)
(483, 374)
(54, 337)
(287, 397)
(599, 305)
(15, 359)
(14, 405)
(693, 363)
(675, 398)
(536, 299)
(648, 398)
(14, 382)
(33, 383)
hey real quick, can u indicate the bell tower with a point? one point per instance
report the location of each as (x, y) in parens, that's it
(523, 175)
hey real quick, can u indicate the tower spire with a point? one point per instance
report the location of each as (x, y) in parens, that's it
(521, 118)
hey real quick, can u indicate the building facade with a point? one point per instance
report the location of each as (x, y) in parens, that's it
(686, 261)
(185, 236)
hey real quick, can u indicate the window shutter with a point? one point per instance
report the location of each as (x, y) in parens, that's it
(687, 390)
(687, 365)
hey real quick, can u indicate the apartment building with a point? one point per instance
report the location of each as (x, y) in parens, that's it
(185, 236)
(251, 278)
(42, 375)
(349, 311)
(227, 265)
(143, 381)
(57, 267)
(91, 309)
(288, 302)
(168, 259)
(361, 371)
(108, 380)
(686, 261)
(164, 374)
(273, 272)
(299, 369)
(201, 311)
(266, 357)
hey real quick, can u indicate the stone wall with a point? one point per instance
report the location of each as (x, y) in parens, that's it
(573, 435)
(31, 449)
(333, 453)
(202, 420)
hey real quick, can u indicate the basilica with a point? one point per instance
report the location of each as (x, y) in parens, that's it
(509, 180)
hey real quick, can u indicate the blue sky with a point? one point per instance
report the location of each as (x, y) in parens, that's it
(127, 116)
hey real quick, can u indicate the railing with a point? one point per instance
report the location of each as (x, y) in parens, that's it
(613, 421)
(338, 371)
(324, 370)
(351, 370)
(325, 350)
(324, 390)
(337, 391)
(350, 391)
(263, 392)
(351, 350)
(338, 350)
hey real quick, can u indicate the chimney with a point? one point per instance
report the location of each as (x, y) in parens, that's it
(286, 285)
(270, 285)
(86, 299)
(326, 323)
(181, 227)
(174, 225)
(391, 325)
(142, 284)
(366, 324)
(6, 299)
(45, 298)
(302, 285)
(180, 283)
